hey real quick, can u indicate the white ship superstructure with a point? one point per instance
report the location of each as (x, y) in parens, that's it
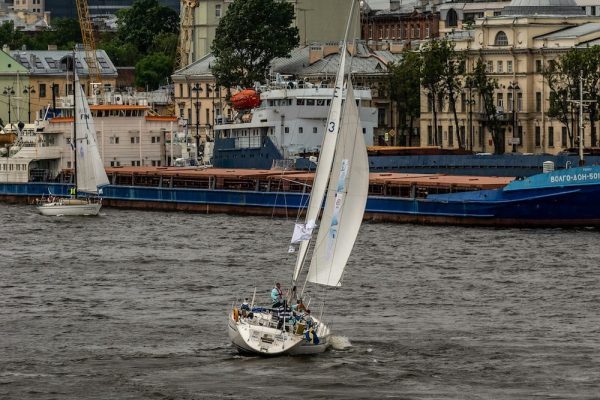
(292, 115)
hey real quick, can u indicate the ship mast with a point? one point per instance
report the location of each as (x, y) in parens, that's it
(74, 125)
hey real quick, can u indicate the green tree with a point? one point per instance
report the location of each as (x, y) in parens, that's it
(432, 69)
(563, 76)
(493, 120)
(152, 70)
(405, 91)
(165, 43)
(121, 54)
(249, 36)
(143, 21)
(453, 69)
(8, 35)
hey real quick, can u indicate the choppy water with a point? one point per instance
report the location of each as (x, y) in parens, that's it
(132, 305)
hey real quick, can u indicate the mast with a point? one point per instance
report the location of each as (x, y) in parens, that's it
(581, 160)
(326, 154)
(74, 125)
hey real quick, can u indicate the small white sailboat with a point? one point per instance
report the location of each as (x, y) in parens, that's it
(342, 179)
(90, 175)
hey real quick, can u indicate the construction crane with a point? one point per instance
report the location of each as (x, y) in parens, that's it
(185, 32)
(89, 44)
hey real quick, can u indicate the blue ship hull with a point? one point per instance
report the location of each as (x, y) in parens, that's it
(561, 198)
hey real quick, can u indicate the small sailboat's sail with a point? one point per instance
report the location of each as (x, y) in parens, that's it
(325, 159)
(90, 170)
(346, 200)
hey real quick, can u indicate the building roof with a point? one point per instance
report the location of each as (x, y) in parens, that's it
(53, 62)
(199, 68)
(543, 7)
(573, 32)
(365, 62)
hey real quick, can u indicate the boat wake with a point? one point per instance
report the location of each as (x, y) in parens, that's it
(339, 342)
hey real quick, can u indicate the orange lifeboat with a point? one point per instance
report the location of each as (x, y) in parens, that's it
(246, 99)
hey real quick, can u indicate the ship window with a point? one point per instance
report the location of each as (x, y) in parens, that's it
(310, 102)
(315, 130)
(320, 102)
(286, 129)
(328, 102)
(300, 130)
(300, 102)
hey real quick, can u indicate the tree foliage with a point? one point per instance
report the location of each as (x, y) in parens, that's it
(405, 90)
(152, 70)
(563, 76)
(486, 86)
(249, 36)
(432, 69)
(145, 19)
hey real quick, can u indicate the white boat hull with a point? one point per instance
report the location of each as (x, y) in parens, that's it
(60, 209)
(261, 338)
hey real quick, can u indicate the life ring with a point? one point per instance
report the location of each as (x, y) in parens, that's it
(236, 314)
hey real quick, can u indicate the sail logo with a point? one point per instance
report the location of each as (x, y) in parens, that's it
(591, 176)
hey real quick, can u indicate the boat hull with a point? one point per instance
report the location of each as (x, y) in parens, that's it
(258, 338)
(58, 209)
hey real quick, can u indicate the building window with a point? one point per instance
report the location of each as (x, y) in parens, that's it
(509, 66)
(489, 66)
(564, 136)
(429, 136)
(451, 18)
(286, 129)
(519, 102)
(501, 39)
(381, 117)
(450, 135)
(538, 137)
(135, 139)
(218, 11)
(300, 129)
(509, 101)
(500, 67)
(520, 135)
(551, 136)
(500, 103)
(42, 90)
(538, 66)
(538, 101)
(315, 130)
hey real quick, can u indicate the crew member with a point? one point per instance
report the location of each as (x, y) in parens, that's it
(277, 296)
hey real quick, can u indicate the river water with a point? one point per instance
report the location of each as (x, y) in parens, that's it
(132, 305)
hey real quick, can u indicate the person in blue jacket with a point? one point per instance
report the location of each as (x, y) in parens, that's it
(277, 296)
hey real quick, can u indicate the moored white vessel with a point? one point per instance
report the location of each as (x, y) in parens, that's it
(89, 169)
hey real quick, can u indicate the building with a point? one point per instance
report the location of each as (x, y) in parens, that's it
(13, 79)
(317, 21)
(68, 9)
(399, 26)
(33, 6)
(515, 46)
(39, 77)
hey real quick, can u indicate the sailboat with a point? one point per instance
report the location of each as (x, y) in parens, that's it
(342, 180)
(90, 175)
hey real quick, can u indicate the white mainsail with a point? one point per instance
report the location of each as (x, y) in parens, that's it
(346, 200)
(90, 170)
(325, 157)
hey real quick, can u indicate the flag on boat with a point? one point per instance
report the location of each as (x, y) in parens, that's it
(303, 231)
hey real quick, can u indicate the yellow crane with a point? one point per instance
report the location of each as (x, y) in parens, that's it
(185, 32)
(89, 44)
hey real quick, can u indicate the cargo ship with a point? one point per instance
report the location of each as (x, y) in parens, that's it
(283, 123)
(566, 197)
